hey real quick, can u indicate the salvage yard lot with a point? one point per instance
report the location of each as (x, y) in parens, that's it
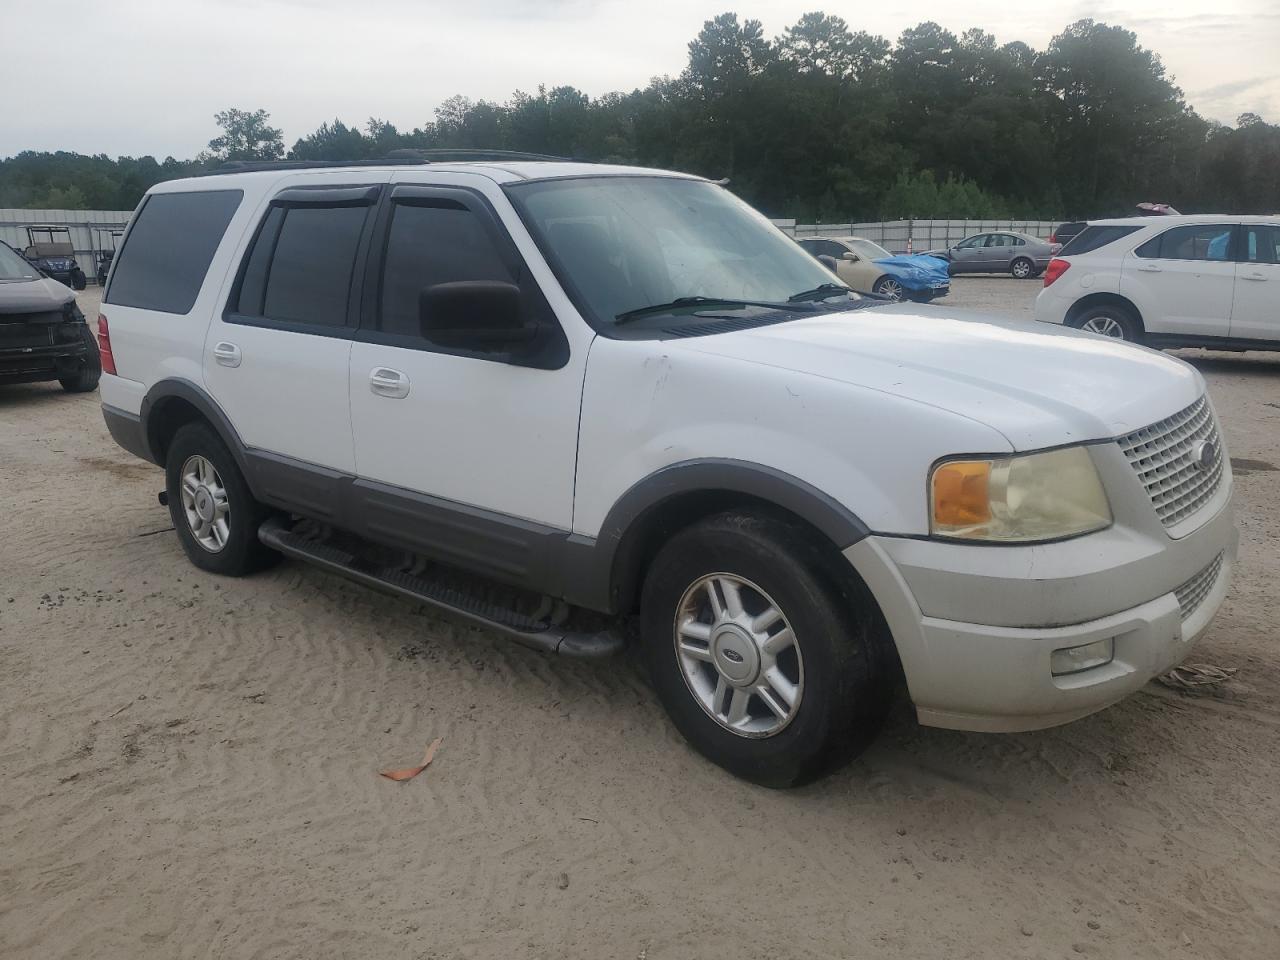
(188, 766)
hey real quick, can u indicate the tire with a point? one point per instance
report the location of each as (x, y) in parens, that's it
(1109, 320)
(78, 281)
(231, 547)
(90, 372)
(888, 287)
(838, 671)
(1022, 268)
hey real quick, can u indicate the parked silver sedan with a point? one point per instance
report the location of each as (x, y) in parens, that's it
(1018, 254)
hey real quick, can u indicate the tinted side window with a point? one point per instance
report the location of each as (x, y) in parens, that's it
(439, 241)
(1019, 242)
(301, 264)
(1199, 241)
(1094, 238)
(1261, 244)
(973, 241)
(169, 248)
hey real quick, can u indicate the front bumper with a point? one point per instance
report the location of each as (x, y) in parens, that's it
(967, 674)
(34, 364)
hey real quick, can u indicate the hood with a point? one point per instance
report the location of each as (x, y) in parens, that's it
(33, 296)
(1039, 385)
(920, 267)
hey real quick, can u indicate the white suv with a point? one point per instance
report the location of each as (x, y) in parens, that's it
(609, 390)
(1182, 281)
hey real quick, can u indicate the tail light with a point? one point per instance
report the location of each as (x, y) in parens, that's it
(104, 346)
(1055, 269)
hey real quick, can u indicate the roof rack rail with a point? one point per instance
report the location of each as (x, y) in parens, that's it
(402, 157)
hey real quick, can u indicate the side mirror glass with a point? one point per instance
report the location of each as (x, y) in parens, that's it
(481, 315)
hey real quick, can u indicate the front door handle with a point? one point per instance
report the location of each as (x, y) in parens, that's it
(1148, 268)
(227, 354)
(386, 382)
(1256, 275)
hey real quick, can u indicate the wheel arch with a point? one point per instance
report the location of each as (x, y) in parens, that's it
(1102, 298)
(682, 494)
(172, 403)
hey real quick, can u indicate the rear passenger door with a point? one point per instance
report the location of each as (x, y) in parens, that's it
(463, 445)
(1183, 280)
(1255, 311)
(276, 360)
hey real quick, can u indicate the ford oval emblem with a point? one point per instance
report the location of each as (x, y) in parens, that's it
(1206, 455)
(733, 656)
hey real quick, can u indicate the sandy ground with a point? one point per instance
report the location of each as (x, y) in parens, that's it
(188, 768)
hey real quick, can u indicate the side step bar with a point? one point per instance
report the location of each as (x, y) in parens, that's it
(538, 634)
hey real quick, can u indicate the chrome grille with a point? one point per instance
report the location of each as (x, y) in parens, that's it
(1192, 593)
(1166, 457)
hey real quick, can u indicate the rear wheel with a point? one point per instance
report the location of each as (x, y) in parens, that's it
(764, 664)
(213, 512)
(1109, 320)
(1022, 268)
(888, 287)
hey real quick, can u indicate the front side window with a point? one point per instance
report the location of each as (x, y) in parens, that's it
(1262, 244)
(1200, 241)
(429, 243)
(168, 249)
(623, 243)
(301, 265)
(973, 242)
(868, 250)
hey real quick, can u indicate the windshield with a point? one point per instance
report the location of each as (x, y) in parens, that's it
(865, 248)
(624, 243)
(13, 267)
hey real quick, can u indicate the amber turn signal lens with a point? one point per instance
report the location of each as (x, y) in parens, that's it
(960, 493)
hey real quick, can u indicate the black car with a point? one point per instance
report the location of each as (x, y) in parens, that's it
(43, 334)
(50, 249)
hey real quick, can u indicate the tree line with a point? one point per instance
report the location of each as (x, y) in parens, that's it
(822, 123)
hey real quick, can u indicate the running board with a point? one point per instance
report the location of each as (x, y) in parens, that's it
(537, 634)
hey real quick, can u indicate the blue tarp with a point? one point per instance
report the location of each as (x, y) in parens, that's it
(916, 271)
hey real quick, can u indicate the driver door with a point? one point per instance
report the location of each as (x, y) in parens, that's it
(966, 255)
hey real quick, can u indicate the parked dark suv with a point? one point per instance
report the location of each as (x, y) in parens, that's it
(43, 335)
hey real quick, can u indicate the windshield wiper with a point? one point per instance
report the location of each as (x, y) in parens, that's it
(728, 302)
(820, 292)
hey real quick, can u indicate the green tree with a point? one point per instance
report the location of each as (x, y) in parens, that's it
(246, 136)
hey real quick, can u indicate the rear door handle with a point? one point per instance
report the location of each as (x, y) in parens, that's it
(1148, 268)
(1256, 275)
(386, 382)
(227, 354)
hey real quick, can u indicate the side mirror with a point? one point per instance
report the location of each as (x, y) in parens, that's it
(850, 256)
(479, 315)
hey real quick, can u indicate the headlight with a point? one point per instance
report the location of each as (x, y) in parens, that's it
(1018, 498)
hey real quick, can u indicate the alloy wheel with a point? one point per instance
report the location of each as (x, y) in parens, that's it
(1105, 325)
(205, 503)
(1022, 269)
(891, 288)
(739, 656)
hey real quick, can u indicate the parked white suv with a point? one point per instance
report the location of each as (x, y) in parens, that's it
(609, 390)
(1179, 281)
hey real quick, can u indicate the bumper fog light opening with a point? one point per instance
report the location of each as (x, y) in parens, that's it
(1088, 656)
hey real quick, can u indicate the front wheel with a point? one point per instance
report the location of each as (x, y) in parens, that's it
(85, 379)
(1022, 268)
(213, 511)
(888, 287)
(765, 665)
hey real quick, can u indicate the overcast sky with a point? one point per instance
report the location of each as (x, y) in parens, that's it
(141, 77)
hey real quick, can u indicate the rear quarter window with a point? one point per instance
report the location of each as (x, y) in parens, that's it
(1094, 238)
(169, 248)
